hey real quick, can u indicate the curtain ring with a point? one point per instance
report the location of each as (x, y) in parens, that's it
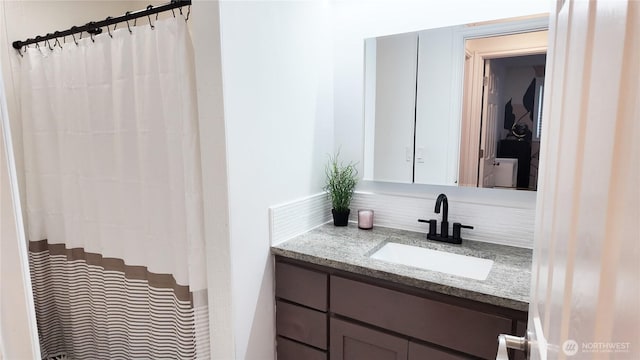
(73, 35)
(149, 17)
(47, 43)
(174, 12)
(129, 27)
(109, 30)
(91, 35)
(188, 13)
(57, 43)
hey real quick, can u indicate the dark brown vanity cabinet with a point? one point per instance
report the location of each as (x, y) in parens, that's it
(301, 313)
(322, 313)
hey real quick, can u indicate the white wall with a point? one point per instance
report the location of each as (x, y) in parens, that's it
(277, 81)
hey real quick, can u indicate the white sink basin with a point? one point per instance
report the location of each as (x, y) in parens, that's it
(434, 260)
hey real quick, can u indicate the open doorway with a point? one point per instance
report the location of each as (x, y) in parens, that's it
(511, 125)
(503, 91)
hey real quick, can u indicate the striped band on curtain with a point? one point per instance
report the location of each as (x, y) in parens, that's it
(111, 310)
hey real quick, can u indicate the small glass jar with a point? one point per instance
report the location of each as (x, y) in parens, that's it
(365, 219)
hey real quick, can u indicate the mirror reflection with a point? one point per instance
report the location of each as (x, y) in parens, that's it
(455, 106)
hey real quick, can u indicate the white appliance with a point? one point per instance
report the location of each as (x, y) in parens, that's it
(505, 172)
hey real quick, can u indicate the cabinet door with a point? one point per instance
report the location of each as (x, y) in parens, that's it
(394, 89)
(354, 342)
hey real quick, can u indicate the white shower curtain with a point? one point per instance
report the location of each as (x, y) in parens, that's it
(113, 186)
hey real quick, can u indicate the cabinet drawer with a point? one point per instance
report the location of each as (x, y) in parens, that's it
(291, 350)
(454, 327)
(354, 342)
(301, 324)
(422, 352)
(302, 286)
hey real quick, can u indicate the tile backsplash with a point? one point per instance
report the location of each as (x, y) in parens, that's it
(506, 224)
(498, 224)
(297, 217)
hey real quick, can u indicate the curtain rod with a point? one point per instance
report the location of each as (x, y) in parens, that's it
(96, 27)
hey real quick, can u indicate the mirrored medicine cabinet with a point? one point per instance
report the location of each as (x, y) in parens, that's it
(456, 106)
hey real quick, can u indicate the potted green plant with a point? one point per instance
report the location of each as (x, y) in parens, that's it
(341, 181)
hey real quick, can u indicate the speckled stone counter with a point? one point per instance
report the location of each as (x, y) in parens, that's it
(349, 248)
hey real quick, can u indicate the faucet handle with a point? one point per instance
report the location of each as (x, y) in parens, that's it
(456, 230)
(433, 224)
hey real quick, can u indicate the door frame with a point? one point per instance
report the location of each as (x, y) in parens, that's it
(471, 126)
(22, 340)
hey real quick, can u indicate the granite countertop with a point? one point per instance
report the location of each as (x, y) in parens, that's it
(349, 248)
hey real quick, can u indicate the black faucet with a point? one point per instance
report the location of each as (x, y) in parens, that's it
(442, 201)
(444, 226)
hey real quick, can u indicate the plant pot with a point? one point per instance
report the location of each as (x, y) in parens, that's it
(340, 218)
